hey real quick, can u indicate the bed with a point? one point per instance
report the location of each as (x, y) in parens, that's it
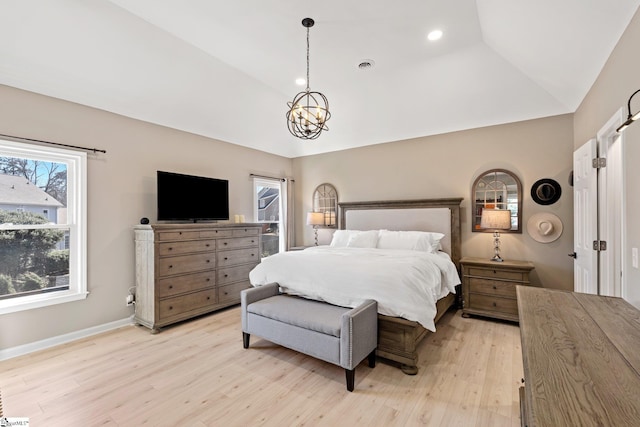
(405, 318)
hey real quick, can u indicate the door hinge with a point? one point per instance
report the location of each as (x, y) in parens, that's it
(599, 162)
(599, 245)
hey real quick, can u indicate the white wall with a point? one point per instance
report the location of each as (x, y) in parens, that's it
(619, 78)
(121, 190)
(446, 166)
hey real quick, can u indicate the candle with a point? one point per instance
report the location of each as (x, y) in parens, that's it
(242, 218)
(236, 218)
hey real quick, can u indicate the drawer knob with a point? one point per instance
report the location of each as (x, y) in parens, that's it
(207, 245)
(170, 286)
(225, 243)
(171, 266)
(208, 260)
(253, 241)
(180, 233)
(253, 254)
(226, 275)
(495, 305)
(495, 287)
(226, 293)
(170, 307)
(225, 258)
(208, 298)
(170, 248)
(208, 279)
(495, 272)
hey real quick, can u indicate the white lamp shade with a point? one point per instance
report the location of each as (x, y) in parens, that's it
(496, 219)
(315, 218)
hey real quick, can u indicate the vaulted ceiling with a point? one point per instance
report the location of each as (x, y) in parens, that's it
(226, 69)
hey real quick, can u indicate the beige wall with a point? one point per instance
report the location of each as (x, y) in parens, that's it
(121, 190)
(619, 78)
(446, 166)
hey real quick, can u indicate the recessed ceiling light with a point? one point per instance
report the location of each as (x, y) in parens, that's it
(366, 64)
(435, 35)
(300, 81)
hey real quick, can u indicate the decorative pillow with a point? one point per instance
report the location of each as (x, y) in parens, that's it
(364, 239)
(341, 238)
(410, 240)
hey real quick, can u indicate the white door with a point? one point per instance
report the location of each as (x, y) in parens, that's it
(610, 211)
(585, 205)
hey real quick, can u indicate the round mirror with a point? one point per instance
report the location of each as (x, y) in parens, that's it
(496, 189)
(325, 200)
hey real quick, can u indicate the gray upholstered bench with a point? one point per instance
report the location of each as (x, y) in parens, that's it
(339, 335)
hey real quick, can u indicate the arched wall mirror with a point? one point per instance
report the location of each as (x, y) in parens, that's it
(496, 189)
(325, 200)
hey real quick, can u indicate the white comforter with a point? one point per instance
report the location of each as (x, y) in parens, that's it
(405, 283)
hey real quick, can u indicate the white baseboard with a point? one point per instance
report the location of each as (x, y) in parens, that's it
(61, 339)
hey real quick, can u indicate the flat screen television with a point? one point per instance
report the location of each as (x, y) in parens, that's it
(192, 198)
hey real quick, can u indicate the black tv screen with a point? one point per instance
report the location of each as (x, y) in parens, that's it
(192, 198)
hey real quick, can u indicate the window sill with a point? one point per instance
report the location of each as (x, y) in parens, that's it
(39, 301)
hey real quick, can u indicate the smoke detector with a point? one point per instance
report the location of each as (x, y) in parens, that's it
(366, 64)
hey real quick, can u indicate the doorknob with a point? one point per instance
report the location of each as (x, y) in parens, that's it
(573, 255)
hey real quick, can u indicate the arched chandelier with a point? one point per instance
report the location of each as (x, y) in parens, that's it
(309, 111)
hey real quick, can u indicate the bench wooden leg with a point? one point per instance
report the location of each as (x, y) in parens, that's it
(351, 376)
(245, 339)
(372, 359)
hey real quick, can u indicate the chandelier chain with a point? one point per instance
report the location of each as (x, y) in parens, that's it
(308, 85)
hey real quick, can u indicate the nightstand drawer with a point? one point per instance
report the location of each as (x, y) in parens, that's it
(492, 287)
(493, 304)
(496, 273)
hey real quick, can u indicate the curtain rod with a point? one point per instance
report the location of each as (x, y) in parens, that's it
(253, 175)
(95, 150)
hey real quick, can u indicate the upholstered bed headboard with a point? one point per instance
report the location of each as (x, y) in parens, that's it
(438, 215)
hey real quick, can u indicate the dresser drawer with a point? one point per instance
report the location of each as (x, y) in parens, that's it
(178, 248)
(239, 242)
(231, 293)
(209, 234)
(171, 286)
(238, 256)
(176, 306)
(178, 235)
(493, 304)
(496, 273)
(492, 287)
(186, 264)
(242, 232)
(234, 274)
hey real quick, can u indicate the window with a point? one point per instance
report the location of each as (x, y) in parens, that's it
(42, 226)
(267, 209)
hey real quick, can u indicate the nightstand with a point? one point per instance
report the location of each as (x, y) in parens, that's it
(489, 287)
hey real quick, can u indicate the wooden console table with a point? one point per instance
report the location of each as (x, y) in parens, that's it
(581, 357)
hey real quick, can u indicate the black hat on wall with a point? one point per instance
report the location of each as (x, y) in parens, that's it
(546, 191)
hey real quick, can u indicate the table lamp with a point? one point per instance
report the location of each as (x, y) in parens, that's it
(496, 220)
(315, 219)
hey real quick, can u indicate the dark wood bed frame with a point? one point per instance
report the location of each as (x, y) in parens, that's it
(398, 338)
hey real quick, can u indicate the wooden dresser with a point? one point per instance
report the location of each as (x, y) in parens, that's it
(489, 287)
(581, 359)
(185, 270)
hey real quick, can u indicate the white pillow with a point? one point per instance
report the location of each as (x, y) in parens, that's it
(410, 240)
(341, 238)
(429, 242)
(364, 239)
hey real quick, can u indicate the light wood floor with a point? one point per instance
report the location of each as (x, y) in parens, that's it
(198, 374)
